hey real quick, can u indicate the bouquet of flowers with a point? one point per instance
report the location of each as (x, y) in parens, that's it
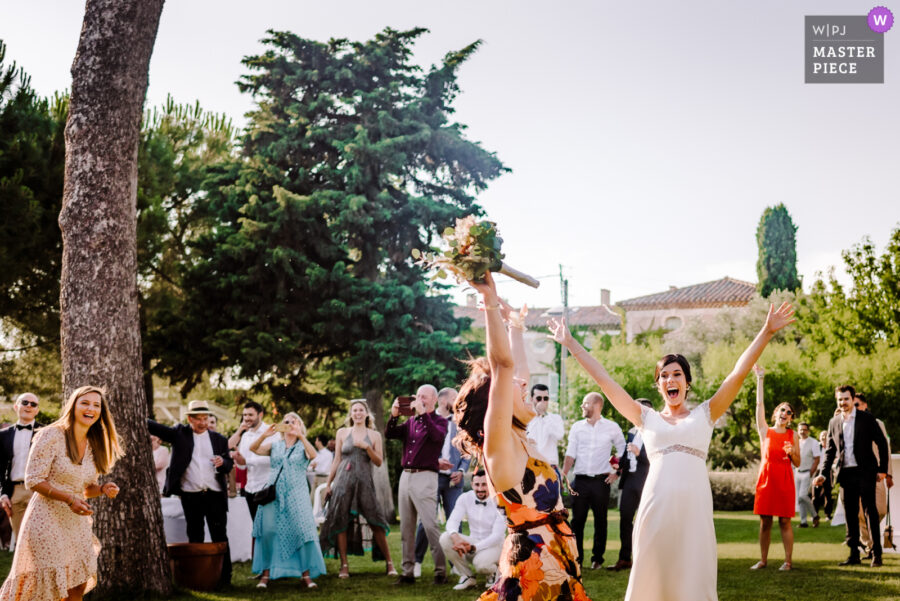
(473, 250)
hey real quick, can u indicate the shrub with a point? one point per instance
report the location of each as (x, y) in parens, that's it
(733, 491)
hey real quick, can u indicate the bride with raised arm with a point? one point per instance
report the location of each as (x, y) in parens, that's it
(674, 537)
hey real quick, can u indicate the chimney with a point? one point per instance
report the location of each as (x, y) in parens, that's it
(604, 296)
(471, 300)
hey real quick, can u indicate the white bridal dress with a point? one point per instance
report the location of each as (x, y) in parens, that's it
(674, 536)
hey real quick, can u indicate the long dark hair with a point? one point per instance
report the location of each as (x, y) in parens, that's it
(673, 358)
(471, 406)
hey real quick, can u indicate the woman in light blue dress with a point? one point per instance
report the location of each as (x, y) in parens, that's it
(284, 531)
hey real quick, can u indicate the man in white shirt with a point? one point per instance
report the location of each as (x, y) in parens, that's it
(257, 466)
(15, 442)
(545, 429)
(320, 467)
(487, 528)
(810, 455)
(591, 443)
(197, 473)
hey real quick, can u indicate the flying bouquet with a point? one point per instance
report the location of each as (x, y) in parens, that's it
(473, 250)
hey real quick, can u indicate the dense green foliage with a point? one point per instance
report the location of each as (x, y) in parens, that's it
(795, 373)
(863, 318)
(349, 161)
(776, 266)
(31, 177)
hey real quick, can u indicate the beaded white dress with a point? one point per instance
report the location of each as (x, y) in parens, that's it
(674, 536)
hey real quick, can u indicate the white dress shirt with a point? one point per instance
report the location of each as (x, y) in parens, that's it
(487, 525)
(546, 430)
(21, 446)
(638, 442)
(591, 446)
(200, 473)
(847, 424)
(258, 466)
(809, 450)
(321, 465)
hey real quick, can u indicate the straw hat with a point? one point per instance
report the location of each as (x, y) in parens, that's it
(198, 408)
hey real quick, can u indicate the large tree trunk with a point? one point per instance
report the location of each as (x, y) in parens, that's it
(101, 342)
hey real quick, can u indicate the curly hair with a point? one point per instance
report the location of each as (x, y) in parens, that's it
(471, 406)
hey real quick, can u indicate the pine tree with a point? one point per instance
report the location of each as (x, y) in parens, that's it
(776, 267)
(350, 161)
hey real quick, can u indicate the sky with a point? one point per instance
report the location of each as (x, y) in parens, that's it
(645, 139)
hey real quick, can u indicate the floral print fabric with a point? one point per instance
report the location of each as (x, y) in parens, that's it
(538, 558)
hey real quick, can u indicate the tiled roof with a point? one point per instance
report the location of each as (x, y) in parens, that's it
(598, 316)
(727, 292)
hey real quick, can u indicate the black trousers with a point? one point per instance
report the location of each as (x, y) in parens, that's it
(858, 484)
(630, 498)
(592, 494)
(251, 504)
(211, 507)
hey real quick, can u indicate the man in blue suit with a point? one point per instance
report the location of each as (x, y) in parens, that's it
(450, 479)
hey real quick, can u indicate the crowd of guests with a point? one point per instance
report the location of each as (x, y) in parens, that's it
(449, 440)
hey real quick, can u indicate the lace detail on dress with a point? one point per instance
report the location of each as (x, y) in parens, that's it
(645, 411)
(679, 448)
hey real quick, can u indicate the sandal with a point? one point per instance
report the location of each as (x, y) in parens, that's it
(345, 571)
(309, 582)
(263, 582)
(758, 565)
(391, 571)
(786, 567)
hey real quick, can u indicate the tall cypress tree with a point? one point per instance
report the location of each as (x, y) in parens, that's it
(776, 266)
(350, 161)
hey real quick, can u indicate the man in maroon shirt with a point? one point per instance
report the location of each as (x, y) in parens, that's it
(423, 439)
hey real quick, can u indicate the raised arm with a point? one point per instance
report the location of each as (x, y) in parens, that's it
(336, 461)
(516, 322)
(761, 426)
(501, 450)
(620, 399)
(725, 395)
(257, 445)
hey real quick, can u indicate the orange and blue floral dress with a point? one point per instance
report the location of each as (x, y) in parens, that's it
(538, 561)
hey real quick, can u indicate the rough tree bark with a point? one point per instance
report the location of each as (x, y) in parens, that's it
(100, 328)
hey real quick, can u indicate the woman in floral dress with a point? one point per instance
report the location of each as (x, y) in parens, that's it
(538, 558)
(56, 554)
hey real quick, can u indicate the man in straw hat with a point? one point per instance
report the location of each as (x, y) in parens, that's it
(200, 462)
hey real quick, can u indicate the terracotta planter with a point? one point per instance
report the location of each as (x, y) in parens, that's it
(197, 566)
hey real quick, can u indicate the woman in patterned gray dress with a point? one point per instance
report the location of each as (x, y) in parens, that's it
(350, 490)
(284, 530)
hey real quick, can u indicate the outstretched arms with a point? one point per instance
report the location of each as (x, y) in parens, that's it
(725, 395)
(617, 395)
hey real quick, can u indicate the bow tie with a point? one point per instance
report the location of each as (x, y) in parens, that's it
(481, 503)
(28, 427)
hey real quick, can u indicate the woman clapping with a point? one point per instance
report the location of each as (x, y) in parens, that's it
(286, 544)
(56, 554)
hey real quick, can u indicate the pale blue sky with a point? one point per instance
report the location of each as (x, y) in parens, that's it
(645, 140)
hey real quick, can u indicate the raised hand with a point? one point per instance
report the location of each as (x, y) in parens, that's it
(559, 332)
(779, 318)
(487, 288)
(758, 370)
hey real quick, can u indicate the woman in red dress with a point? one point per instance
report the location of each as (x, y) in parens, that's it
(775, 495)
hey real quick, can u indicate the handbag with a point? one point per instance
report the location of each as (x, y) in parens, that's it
(267, 494)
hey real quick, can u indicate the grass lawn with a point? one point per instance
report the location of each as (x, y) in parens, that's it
(815, 575)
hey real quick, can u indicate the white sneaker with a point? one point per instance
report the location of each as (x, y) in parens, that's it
(467, 583)
(417, 570)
